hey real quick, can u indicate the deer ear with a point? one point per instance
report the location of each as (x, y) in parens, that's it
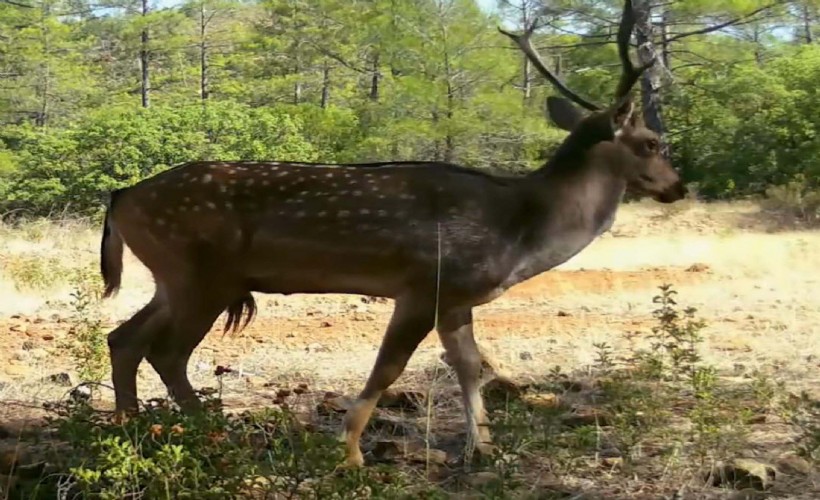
(623, 115)
(563, 113)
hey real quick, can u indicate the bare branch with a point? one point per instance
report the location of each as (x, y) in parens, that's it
(524, 43)
(722, 25)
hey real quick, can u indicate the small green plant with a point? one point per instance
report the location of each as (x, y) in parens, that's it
(87, 344)
(34, 272)
(803, 413)
(163, 453)
(674, 341)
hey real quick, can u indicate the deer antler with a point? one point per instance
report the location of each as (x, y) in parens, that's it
(630, 74)
(523, 41)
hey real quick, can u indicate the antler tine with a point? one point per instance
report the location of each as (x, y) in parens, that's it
(630, 74)
(524, 43)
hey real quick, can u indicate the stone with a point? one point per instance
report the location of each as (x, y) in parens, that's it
(408, 400)
(392, 449)
(581, 416)
(503, 387)
(431, 455)
(793, 464)
(742, 473)
(546, 400)
(481, 479)
(62, 378)
(335, 404)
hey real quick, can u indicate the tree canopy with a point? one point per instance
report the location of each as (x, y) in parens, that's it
(99, 94)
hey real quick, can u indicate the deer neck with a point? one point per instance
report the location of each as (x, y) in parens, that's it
(573, 204)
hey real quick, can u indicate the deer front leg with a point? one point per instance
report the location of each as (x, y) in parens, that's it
(412, 320)
(455, 329)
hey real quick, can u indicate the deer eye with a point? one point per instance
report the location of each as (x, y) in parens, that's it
(652, 145)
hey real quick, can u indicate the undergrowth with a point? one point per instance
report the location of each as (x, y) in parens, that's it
(656, 410)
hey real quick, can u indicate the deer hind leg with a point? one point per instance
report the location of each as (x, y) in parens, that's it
(412, 320)
(455, 329)
(127, 345)
(193, 314)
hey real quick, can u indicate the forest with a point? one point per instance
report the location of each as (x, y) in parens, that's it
(97, 94)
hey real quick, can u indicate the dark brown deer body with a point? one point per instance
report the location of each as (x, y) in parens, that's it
(438, 238)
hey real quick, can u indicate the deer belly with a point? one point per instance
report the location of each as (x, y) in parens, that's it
(304, 266)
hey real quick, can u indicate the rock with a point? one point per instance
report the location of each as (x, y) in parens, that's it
(525, 356)
(47, 337)
(81, 394)
(336, 404)
(613, 462)
(581, 416)
(743, 473)
(392, 449)
(697, 267)
(63, 379)
(431, 455)
(27, 345)
(408, 400)
(481, 479)
(502, 387)
(563, 314)
(793, 464)
(544, 400)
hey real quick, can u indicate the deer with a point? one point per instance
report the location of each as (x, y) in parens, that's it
(438, 239)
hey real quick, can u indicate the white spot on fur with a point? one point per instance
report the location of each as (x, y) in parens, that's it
(211, 205)
(207, 178)
(344, 213)
(249, 182)
(364, 211)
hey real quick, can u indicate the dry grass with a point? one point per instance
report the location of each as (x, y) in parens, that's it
(752, 279)
(757, 296)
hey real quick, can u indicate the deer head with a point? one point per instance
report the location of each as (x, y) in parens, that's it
(638, 157)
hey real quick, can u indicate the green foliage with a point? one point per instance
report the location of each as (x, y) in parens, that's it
(76, 166)
(87, 344)
(369, 80)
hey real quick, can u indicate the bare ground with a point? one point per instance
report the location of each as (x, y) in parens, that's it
(751, 279)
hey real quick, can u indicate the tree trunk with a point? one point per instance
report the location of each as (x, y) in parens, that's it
(375, 77)
(807, 18)
(44, 87)
(652, 78)
(203, 55)
(326, 86)
(145, 88)
(526, 84)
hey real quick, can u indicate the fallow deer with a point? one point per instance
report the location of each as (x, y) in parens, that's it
(439, 239)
